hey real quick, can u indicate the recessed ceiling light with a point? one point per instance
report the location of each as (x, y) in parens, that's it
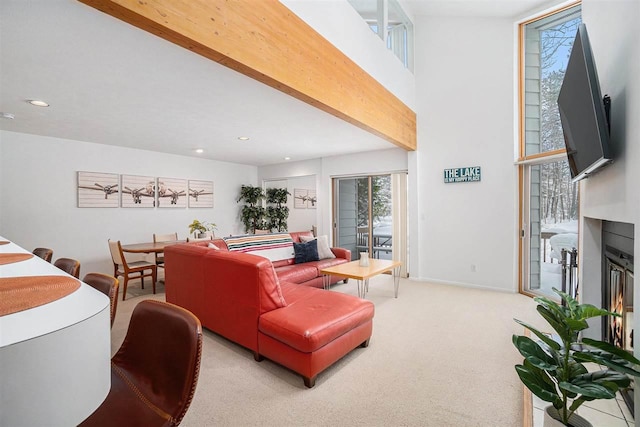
(38, 103)
(243, 138)
(287, 158)
(199, 150)
(7, 116)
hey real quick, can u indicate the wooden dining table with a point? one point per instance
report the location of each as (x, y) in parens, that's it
(150, 247)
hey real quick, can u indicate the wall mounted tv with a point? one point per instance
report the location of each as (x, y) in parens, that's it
(584, 112)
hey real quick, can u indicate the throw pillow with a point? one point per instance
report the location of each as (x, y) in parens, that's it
(306, 252)
(324, 250)
(212, 246)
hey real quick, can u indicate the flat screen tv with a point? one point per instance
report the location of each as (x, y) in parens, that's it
(584, 112)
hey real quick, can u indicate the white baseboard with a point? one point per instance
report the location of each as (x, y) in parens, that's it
(462, 285)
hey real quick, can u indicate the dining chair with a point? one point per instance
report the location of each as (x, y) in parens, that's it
(69, 266)
(106, 284)
(126, 269)
(44, 253)
(155, 372)
(171, 237)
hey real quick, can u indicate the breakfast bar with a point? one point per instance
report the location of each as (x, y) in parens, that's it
(54, 357)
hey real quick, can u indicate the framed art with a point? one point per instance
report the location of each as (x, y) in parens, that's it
(311, 199)
(98, 190)
(304, 198)
(172, 193)
(138, 191)
(200, 194)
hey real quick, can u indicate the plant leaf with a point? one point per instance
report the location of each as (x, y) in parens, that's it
(605, 377)
(610, 348)
(572, 304)
(577, 324)
(532, 378)
(589, 311)
(554, 322)
(608, 360)
(545, 338)
(559, 311)
(533, 353)
(598, 391)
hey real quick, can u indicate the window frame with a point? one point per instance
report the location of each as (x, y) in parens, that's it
(525, 161)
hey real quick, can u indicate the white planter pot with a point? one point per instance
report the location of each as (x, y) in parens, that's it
(551, 419)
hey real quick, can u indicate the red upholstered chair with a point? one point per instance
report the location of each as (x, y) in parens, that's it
(106, 284)
(69, 266)
(155, 371)
(44, 253)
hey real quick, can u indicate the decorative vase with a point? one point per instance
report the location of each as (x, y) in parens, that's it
(364, 259)
(552, 419)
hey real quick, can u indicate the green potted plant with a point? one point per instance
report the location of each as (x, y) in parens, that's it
(252, 213)
(198, 228)
(553, 366)
(277, 213)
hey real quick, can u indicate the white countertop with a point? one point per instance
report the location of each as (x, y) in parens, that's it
(69, 310)
(54, 358)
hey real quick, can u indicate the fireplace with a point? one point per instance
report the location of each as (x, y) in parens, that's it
(617, 289)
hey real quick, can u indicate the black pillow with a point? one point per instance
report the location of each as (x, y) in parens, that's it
(306, 252)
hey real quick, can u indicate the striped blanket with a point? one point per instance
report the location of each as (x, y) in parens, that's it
(275, 247)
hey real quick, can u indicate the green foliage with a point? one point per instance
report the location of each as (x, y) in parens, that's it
(554, 371)
(201, 227)
(380, 195)
(251, 195)
(277, 215)
(252, 215)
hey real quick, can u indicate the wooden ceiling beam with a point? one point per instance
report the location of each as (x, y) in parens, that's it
(264, 40)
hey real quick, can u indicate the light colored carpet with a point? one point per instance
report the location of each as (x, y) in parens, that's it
(439, 356)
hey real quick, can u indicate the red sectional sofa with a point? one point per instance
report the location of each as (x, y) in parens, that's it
(240, 297)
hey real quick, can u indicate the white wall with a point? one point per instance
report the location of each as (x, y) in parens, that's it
(464, 81)
(299, 219)
(614, 37)
(371, 162)
(290, 171)
(39, 205)
(612, 194)
(339, 23)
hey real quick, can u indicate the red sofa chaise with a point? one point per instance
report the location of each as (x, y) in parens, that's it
(240, 297)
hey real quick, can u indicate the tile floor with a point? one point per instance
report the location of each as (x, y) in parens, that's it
(600, 413)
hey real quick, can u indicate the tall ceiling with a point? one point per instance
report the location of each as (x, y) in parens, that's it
(110, 83)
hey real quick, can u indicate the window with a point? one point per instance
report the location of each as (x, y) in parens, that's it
(547, 43)
(370, 215)
(548, 198)
(388, 14)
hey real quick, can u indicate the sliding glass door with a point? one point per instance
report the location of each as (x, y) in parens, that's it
(370, 215)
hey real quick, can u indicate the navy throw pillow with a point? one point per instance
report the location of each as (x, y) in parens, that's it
(306, 252)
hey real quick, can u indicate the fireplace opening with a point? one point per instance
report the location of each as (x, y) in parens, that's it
(617, 292)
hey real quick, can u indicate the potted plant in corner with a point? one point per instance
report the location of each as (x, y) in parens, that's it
(553, 367)
(252, 214)
(199, 229)
(277, 215)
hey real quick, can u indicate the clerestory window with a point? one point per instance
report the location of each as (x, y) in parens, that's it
(387, 19)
